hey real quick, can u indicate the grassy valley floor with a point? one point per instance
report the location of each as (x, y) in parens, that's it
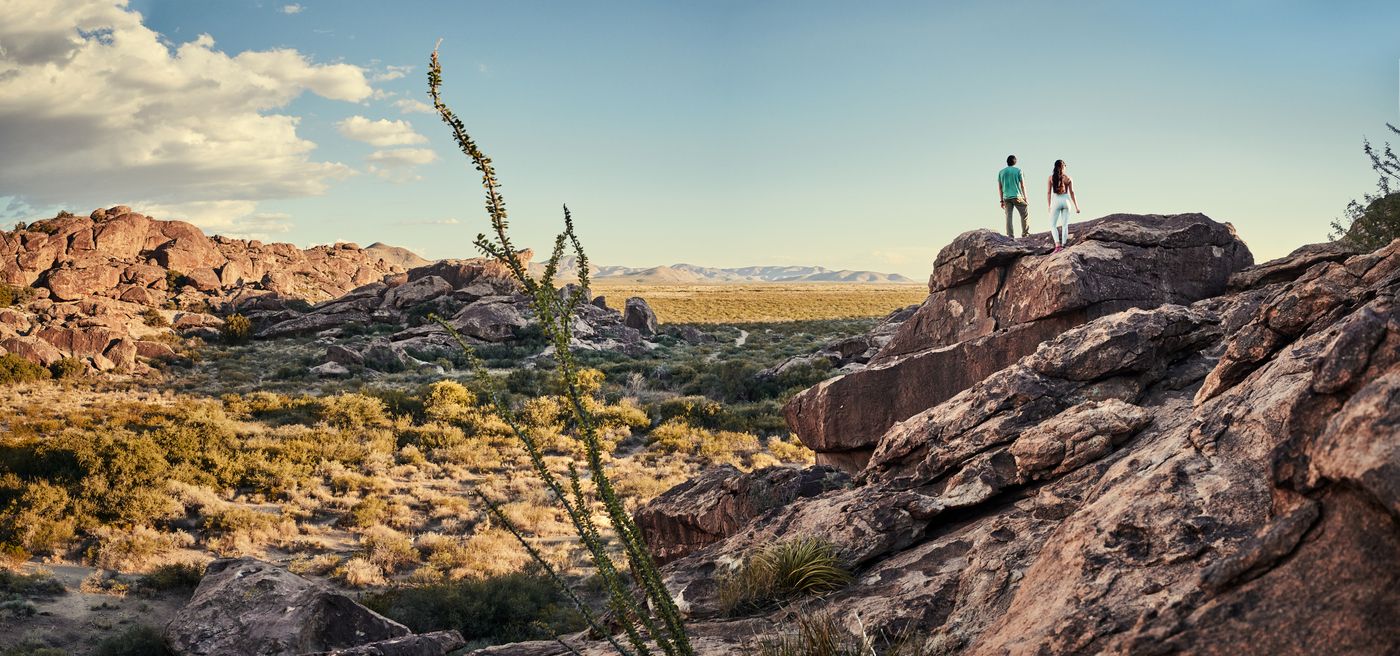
(114, 493)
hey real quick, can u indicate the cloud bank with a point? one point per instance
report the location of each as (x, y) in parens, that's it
(96, 108)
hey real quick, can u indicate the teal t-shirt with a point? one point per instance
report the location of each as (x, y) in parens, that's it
(1010, 179)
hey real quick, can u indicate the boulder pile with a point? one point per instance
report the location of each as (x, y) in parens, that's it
(1215, 476)
(117, 287)
(993, 300)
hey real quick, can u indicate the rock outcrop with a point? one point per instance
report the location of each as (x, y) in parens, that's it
(713, 505)
(993, 300)
(1213, 477)
(475, 298)
(118, 288)
(87, 284)
(246, 606)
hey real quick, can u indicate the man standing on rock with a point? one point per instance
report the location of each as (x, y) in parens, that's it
(1011, 189)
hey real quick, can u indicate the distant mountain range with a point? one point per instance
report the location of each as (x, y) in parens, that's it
(694, 274)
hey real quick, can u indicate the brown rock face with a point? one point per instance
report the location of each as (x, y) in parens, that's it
(714, 505)
(96, 275)
(993, 300)
(1156, 481)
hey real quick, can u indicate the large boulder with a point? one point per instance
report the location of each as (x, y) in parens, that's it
(715, 504)
(994, 299)
(638, 316)
(246, 606)
(1217, 478)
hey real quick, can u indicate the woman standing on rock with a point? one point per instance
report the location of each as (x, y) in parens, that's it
(1059, 195)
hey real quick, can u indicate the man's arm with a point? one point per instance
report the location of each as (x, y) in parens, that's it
(1001, 202)
(1022, 183)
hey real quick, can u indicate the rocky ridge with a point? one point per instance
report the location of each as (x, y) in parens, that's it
(1213, 476)
(993, 299)
(117, 288)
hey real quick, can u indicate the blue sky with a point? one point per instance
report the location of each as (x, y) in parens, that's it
(728, 133)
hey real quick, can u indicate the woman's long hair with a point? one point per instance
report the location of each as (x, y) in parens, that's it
(1057, 177)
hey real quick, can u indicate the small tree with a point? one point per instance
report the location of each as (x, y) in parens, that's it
(637, 598)
(1375, 220)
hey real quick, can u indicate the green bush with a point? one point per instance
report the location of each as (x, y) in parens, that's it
(493, 610)
(68, 368)
(174, 280)
(15, 369)
(135, 641)
(153, 318)
(789, 570)
(175, 576)
(353, 411)
(237, 329)
(14, 295)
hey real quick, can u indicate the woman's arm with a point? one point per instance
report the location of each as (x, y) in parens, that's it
(1069, 182)
(1049, 187)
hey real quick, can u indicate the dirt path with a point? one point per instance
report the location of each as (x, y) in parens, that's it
(742, 338)
(76, 621)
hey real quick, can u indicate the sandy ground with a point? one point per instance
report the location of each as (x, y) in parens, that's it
(76, 621)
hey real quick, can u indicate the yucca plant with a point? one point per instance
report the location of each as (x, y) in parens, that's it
(793, 569)
(637, 599)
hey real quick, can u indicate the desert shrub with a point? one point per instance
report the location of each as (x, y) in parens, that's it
(173, 576)
(31, 648)
(790, 450)
(359, 572)
(133, 549)
(240, 529)
(15, 369)
(1374, 221)
(68, 368)
(793, 569)
(14, 295)
(153, 318)
(175, 280)
(36, 584)
(448, 400)
(135, 641)
(366, 513)
(353, 411)
(717, 446)
(237, 329)
(387, 548)
(36, 518)
(113, 476)
(485, 610)
(432, 436)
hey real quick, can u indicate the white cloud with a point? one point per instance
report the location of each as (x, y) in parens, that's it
(232, 218)
(402, 156)
(292, 9)
(397, 164)
(427, 222)
(392, 73)
(382, 132)
(412, 106)
(96, 109)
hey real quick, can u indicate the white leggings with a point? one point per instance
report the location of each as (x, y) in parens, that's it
(1059, 209)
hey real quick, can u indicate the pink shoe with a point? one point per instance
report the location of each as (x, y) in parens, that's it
(1058, 248)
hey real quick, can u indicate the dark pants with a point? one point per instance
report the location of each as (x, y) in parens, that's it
(1020, 204)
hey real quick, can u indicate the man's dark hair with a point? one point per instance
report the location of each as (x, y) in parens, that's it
(1010, 160)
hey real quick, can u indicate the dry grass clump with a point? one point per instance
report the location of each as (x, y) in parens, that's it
(133, 549)
(238, 531)
(317, 565)
(804, 567)
(390, 550)
(715, 446)
(360, 572)
(820, 634)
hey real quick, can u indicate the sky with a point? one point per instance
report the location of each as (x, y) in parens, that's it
(841, 134)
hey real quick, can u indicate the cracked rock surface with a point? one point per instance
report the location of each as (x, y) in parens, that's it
(1208, 477)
